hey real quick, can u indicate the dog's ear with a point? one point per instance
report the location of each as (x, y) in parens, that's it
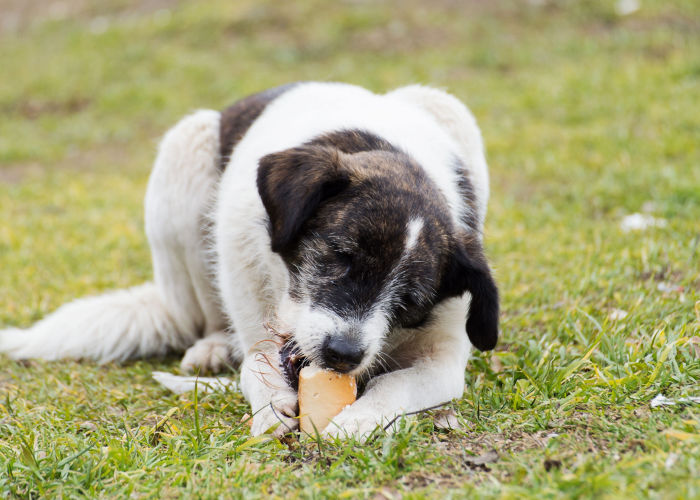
(292, 184)
(467, 270)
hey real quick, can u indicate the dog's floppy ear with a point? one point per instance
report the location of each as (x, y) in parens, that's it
(467, 270)
(292, 184)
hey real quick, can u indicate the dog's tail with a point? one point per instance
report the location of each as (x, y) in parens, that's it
(116, 326)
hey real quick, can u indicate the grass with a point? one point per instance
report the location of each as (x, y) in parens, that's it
(588, 116)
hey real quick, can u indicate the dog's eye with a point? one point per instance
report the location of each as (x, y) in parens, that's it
(344, 260)
(343, 257)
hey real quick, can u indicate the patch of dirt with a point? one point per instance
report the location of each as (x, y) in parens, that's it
(664, 274)
(106, 156)
(400, 37)
(448, 479)
(34, 108)
(676, 21)
(16, 173)
(20, 15)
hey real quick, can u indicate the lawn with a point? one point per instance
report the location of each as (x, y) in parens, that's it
(590, 113)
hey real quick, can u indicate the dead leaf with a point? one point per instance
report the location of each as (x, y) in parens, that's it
(446, 419)
(694, 346)
(87, 426)
(247, 420)
(496, 364)
(387, 494)
(480, 462)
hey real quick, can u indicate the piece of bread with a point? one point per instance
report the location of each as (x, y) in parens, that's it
(322, 395)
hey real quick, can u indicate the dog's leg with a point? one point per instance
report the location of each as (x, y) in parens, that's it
(212, 353)
(179, 200)
(435, 376)
(273, 402)
(251, 280)
(170, 313)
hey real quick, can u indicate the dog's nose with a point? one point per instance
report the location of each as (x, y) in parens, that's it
(340, 354)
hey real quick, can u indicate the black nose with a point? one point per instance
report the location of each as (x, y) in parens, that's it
(340, 354)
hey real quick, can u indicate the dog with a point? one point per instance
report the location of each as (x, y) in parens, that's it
(349, 220)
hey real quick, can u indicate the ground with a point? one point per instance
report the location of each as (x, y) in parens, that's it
(590, 113)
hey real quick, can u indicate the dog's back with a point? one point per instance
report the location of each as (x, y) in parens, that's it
(184, 301)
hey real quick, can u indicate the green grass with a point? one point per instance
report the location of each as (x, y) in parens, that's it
(587, 115)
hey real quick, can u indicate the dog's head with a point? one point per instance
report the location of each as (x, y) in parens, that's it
(370, 248)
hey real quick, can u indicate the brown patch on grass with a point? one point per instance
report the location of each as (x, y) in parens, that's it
(14, 174)
(675, 21)
(387, 493)
(20, 15)
(664, 274)
(423, 479)
(106, 156)
(34, 108)
(400, 37)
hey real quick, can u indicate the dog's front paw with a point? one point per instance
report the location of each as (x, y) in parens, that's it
(280, 413)
(209, 354)
(356, 423)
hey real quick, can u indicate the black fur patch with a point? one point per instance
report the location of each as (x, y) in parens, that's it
(468, 270)
(466, 191)
(237, 119)
(352, 141)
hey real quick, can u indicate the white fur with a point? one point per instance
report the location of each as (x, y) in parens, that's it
(456, 119)
(413, 230)
(245, 284)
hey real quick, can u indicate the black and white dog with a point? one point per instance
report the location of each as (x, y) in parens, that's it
(351, 220)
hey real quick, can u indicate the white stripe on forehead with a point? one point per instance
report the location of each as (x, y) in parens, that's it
(413, 229)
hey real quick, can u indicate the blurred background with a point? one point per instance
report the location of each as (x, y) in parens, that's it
(589, 112)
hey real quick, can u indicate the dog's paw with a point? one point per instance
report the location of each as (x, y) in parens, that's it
(356, 423)
(209, 354)
(281, 413)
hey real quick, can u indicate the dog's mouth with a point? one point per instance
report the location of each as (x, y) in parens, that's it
(291, 363)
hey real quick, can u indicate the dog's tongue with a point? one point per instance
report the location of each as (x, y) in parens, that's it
(291, 363)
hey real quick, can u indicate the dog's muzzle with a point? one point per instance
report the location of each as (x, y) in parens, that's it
(341, 354)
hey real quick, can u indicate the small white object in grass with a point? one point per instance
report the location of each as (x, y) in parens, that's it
(99, 25)
(180, 385)
(671, 460)
(668, 287)
(626, 7)
(617, 315)
(639, 222)
(661, 400)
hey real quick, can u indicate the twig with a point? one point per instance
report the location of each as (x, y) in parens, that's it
(414, 413)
